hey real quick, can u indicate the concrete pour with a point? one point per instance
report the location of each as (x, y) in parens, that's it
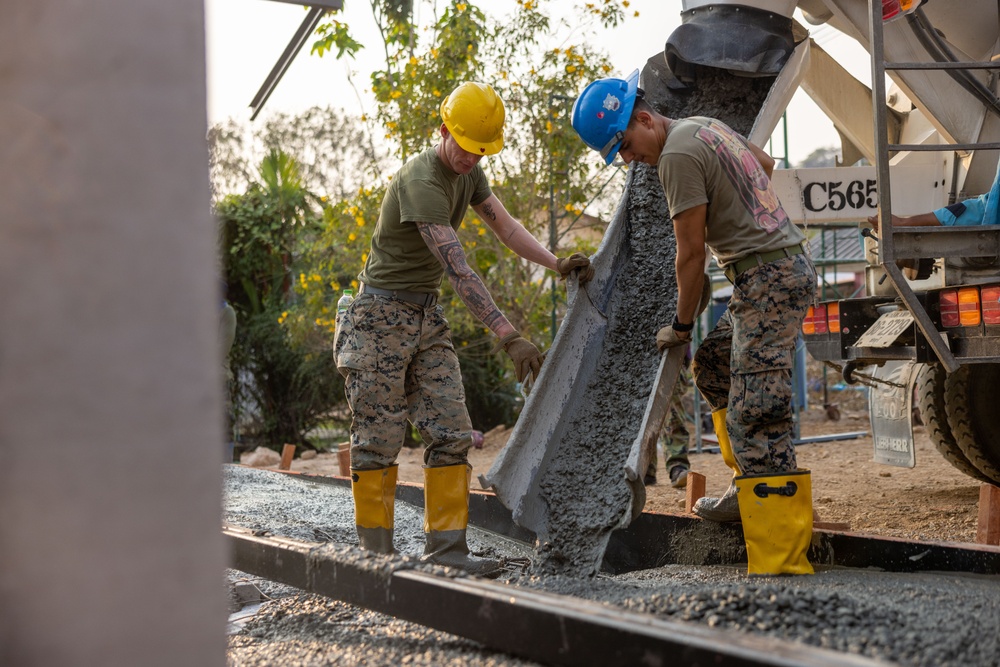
(584, 486)
(922, 619)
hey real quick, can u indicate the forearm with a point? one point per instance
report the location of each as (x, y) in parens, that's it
(513, 234)
(527, 246)
(690, 276)
(443, 243)
(477, 299)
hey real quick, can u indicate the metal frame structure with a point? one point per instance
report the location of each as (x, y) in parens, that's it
(947, 241)
(317, 9)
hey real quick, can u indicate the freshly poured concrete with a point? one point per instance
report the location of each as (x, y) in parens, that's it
(925, 619)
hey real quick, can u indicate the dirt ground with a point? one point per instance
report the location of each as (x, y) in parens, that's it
(932, 501)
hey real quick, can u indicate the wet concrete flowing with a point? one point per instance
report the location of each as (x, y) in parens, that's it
(920, 619)
(584, 487)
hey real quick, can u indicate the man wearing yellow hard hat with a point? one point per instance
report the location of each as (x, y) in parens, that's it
(394, 347)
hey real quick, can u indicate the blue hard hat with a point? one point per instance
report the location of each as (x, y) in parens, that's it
(602, 111)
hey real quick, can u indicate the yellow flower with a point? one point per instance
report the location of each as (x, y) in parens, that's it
(482, 230)
(352, 236)
(606, 68)
(625, 3)
(570, 69)
(322, 198)
(396, 94)
(354, 283)
(461, 6)
(436, 92)
(548, 126)
(364, 117)
(414, 61)
(636, 15)
(360, 221)
(434, 53)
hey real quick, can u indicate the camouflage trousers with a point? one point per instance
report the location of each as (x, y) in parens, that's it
(400, 366)
(745, 362)
(675, 435)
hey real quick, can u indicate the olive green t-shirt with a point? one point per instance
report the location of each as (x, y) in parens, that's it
(424, 190)
(704, 161)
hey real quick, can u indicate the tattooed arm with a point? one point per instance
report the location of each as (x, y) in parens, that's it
(444, 244)
(513, 234)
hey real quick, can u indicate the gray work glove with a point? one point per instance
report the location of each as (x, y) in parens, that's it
(668, 337)
(567, 265)
(523, 353)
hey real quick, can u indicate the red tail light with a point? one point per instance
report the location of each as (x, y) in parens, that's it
(991, 304)
(949, 308)
(819, 320)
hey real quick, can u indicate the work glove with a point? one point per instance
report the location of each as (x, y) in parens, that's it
(567, 265)
(526, 357)
(667, 337)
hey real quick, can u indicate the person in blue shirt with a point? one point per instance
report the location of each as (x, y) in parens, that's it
(981, 210)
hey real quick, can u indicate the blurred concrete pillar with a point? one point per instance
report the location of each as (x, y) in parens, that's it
(110, 409)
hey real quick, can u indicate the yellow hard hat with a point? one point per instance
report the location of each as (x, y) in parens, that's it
(474, 115)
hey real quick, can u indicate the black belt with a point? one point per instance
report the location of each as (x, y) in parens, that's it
(423, 299)
(759, 259)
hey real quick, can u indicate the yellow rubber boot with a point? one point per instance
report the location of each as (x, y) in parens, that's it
(725, 446)
(374, 500)
(777, 521)
(727, 507)
(446, 518)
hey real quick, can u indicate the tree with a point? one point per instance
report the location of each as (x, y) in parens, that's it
(333, 151)
(286, 387)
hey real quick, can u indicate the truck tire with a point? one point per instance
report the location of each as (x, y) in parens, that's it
(971, 403)
(930, 399)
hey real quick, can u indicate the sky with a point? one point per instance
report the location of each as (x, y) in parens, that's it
(246, 37)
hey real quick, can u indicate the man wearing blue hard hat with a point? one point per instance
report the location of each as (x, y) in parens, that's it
(719, 195)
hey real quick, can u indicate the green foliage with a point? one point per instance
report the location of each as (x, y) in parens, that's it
(336, 35)
(283, 389)
(544, 176)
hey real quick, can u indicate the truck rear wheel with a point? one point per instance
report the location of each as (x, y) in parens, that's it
(931, 401)
(971, 403)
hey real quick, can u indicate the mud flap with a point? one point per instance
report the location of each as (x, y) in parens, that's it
(890, 409)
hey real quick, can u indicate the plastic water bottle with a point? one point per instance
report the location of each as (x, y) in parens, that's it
(346, 299)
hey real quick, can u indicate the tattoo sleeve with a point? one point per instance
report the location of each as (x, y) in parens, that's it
(444, 245)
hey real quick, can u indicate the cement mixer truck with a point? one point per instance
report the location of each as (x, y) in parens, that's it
(930, 316)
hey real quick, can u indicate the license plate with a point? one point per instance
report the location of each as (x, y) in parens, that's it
(886, 329)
